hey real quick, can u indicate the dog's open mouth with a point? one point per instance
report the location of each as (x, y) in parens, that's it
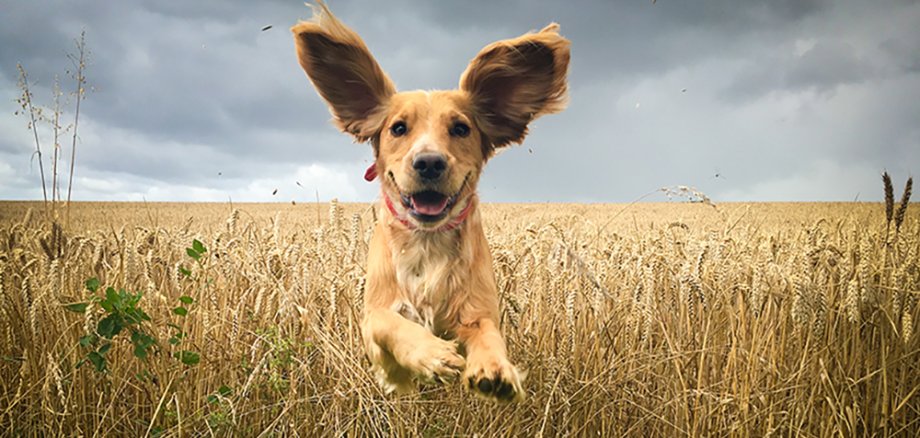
(428, 205)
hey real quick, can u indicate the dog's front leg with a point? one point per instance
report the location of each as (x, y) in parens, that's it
(400, 349)
(488, 370)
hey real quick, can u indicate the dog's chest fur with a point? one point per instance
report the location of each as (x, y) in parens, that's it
(429, 270)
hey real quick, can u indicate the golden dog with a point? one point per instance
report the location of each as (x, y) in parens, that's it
(431, 297)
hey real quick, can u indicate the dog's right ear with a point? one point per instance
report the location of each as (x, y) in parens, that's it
(344, 72)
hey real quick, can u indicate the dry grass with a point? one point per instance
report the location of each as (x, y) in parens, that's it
(646, 320)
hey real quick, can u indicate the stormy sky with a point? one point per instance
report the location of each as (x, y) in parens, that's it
(784, 100)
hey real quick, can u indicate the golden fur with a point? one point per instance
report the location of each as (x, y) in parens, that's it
(431, 303)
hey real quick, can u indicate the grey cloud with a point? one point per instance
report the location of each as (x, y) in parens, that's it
(827, 65)
(821, 68)
(904, 53)
(187, 91)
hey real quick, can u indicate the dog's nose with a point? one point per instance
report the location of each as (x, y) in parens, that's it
(429, 165)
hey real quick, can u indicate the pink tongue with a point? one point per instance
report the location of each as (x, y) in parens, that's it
(430, 209)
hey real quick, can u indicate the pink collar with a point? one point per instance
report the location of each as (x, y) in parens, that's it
(453, 224)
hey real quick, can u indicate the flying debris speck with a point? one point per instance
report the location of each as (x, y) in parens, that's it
(275, 192)
(292, 202)
(683, 90)
(266, 28)
(638, 105)
(298, 183)
(530, 150)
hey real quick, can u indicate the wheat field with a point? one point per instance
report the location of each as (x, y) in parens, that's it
(668, 319)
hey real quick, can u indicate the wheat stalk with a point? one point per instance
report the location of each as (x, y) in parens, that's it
(570, 320)
(902, 207)
(907, 326)
(852, 301)
(889, 197)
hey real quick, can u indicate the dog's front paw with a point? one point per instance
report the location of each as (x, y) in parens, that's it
(437, 361)
(494, 378)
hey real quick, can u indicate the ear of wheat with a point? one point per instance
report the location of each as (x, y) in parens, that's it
(889, 197)
(902, 207)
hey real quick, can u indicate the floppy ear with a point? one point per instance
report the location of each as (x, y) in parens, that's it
(514, 81)
(344, 72)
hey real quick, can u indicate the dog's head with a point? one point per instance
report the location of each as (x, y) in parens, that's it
(431, 146)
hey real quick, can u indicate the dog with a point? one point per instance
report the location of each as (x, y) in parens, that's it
(431, 302)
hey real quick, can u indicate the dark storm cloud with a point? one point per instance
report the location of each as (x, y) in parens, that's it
(782, 99)
(202, 80)
(179, 89)
(621, 38)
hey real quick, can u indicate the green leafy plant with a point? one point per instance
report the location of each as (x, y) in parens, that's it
(223, 392)
(123, 315)
(282, 351)
(187, 357)
(220, 417)
(195, 252)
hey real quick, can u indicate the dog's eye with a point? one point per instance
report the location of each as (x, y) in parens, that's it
(459, 129)
(399, 129)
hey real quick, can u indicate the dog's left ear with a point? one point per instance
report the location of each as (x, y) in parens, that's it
(512, 82)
